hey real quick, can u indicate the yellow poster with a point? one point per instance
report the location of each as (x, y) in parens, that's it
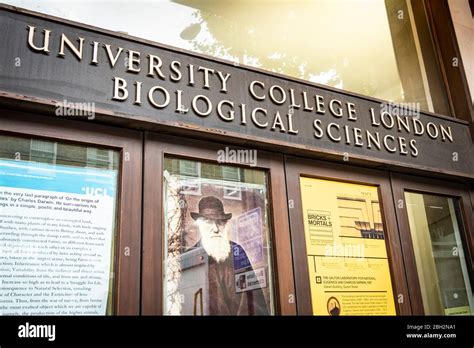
(347, 258)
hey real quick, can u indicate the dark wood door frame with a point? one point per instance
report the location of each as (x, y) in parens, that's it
(157, 146)
(128, 231)
(454, 75)
(401, 183)
(296, 167)
(472, 190)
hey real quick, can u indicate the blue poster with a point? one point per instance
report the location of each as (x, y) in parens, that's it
(58, 178)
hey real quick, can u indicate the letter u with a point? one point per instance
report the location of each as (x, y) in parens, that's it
(31, 35)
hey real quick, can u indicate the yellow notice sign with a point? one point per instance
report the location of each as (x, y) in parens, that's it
(345, 246)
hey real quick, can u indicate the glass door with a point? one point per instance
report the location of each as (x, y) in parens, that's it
(435, 218)
(347, 251)
(68, 245)
(216, 237)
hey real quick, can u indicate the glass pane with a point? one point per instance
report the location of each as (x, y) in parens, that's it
(345, 245)
(365, 46)
(217, 240)
(435, 231)
(57, 227)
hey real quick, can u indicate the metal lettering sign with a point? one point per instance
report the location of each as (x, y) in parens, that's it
(76, 65)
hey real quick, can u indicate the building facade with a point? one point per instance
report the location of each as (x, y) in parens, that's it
(265, 158)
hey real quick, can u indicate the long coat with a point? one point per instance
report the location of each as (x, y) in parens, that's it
(223, 296)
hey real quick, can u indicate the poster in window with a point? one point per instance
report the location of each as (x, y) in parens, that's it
(56, 234)
(217, 259)
(345, 243)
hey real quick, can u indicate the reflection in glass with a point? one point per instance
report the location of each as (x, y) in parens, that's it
(217, 256)
(366, 46)
(436, 228)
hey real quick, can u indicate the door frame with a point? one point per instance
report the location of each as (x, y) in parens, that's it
(296, 167)
(402, 182)
(126, 288)
(157, 146)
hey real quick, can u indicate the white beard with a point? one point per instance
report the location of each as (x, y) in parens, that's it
(217, 247)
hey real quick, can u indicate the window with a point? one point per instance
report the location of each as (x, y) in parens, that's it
(101, 158)
(190, 172)
(217, 254)
(346, 253)
(231, 174)
(436, 230)
(43, 151)
(57, 227)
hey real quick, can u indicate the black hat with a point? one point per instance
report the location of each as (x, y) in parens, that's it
(212, 208)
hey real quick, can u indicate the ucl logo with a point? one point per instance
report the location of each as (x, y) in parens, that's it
(94, 191)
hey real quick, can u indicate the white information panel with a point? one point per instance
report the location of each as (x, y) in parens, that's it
(56, 230)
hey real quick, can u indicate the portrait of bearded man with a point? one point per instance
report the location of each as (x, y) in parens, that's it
(224, 299)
